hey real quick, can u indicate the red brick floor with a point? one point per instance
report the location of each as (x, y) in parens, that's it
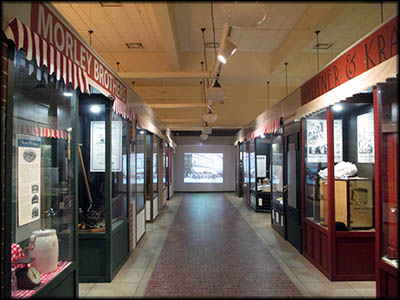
(211, 251)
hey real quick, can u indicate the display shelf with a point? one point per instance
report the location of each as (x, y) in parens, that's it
(44, 279)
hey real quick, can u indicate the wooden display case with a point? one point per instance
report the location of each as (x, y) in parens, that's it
(353, 202)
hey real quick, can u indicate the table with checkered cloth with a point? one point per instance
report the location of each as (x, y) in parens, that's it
(16, 254)
(44, 279)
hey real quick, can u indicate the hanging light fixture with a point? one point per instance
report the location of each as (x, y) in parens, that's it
(204, 136)
(216, 93)
(206, 130)
(227, 50)
(209, 117)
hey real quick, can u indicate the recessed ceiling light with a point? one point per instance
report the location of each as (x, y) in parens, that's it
(322, 46)
(212, 45)
(134, 45)
(111, 4)
(337, 107)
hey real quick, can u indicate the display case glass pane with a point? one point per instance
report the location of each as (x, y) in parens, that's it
(132, 171)
(277, 169)
(92, 162)
(252, 162)
(316, 146)
(148, 166)
(164, 166)
(119, 174)
(246, 176)
(353, 135)
(389, 153)
(42, 170)
(140, 169)
(263, 150)
(155, 166)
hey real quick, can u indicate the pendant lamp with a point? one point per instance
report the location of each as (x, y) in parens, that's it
(204, 136)
(210, 117)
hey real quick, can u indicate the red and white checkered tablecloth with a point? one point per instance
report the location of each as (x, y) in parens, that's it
(44, 279)
(16, 254)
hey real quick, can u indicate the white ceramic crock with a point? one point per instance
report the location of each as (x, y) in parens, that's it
(44, 244)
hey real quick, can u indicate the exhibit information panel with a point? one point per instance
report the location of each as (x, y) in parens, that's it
(28, 179)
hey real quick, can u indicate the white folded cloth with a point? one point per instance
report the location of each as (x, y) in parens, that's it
(342, 170)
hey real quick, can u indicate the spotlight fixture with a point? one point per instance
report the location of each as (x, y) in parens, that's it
(204, 136)
(227, 50)
(67, 94)
(210, 117)
(337, 107)
(95, 109)
(141, 132)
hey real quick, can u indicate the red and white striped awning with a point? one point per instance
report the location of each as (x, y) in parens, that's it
(46, 55)
(42, 132)
(273, 127)
(122, 109)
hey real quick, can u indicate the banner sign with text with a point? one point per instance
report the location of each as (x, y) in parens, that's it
(370, 52)
(49, 27)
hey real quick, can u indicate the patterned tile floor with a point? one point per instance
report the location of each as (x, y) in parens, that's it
(187, 263)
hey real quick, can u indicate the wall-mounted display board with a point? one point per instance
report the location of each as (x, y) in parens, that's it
(40, 176)
(387, 188)
(104, 184)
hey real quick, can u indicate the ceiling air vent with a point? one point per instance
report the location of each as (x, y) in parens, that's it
(111, 4)
(134, 45)
(212, 45)
(322, 46)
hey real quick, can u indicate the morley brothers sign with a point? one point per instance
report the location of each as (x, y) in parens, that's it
(370, 52)
(49, 27)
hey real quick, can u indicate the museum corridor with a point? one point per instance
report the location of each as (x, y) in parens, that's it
(212, 245)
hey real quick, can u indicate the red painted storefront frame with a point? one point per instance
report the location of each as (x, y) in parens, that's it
(330, 251)
(386, 274)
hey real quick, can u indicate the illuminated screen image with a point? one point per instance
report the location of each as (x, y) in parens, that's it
(203, 168)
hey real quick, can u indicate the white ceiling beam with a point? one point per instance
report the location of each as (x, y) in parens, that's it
(303, 32)
(165, 22)
(164, 75)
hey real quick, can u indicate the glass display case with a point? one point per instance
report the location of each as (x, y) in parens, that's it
(152, 177)
(252, 174)
(263, 159)
(246, 174)
(277, 213)
(41, 178)
(239, 190)
(140, 183)
(354, 153)
(103, 189)
(338, 224)
(387, 186)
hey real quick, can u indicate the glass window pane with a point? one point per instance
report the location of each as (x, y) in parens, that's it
(315, 161)
(42, 170)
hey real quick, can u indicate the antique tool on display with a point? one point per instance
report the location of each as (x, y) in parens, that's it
(91, 218)
(85, 178)
(28, 278)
